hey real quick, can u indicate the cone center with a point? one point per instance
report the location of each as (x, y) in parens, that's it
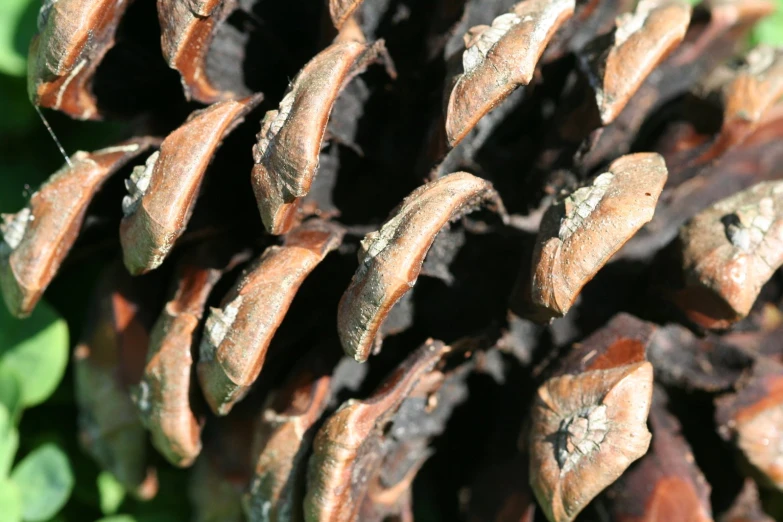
(580, 435)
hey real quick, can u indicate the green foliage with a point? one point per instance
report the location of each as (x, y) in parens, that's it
(11, 501)
(16, 27)
(111, 493)
(9, 442)
(770, 30)
(45, 481)
(10, 391)
(35, 350)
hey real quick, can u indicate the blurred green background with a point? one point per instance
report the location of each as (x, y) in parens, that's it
(43, 473)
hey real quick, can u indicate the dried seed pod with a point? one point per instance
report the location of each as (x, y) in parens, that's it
(586, 430)
(366, 455)
(580, 233)
(163, 192)
(642, 40)
(37, 238)
(753, 418)
(500, 58)
(341, 10)
(666, 484)
(390, 259)
(290, 140)
(284, 435)
(187, 29)
(729, 251)
(107, 360)
(236, 336)
(73, 37)
(163, 395)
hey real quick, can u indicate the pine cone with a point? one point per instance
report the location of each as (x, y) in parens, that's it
(546, 236)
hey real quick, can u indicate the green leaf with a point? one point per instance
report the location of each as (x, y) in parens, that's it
(36, 349)
(11, 61)
(15, 25)
(770, 29)
(9, 443)
(45, 480)
(11, 392)
(117, 518)
(10, 501)
(111, 493)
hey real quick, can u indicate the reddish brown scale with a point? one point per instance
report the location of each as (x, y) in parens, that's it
(349, 444)
(589, 422)
(73, 37)
(753, 419)
(285, 430)
(37, 239)
(580, 233)
(163, 192)
(642, 40)
(187, 30)
(708, 42)
(729, 252)
(164, 393)
(390, 259)
(342, 10)
(290, 139)
(499, 59)
(237, 335)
